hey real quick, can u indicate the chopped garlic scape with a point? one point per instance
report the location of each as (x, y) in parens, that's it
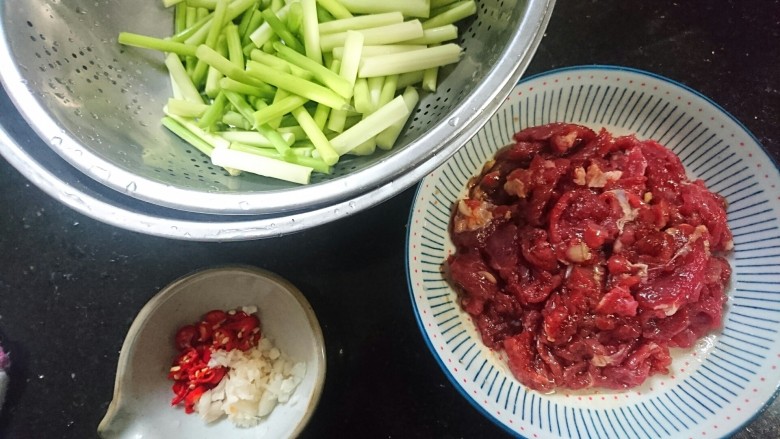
(302, 66)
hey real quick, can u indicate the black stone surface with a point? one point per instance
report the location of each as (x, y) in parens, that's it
(70, 286)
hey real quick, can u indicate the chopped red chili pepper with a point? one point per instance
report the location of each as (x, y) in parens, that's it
(215, 317)
(192, 376)
(185, 336)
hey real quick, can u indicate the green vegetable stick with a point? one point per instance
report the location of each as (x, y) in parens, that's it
(263, 33)
(213, 113)
(191, 16)
(322, 112)
(316, 136)
(362, 98)
(298, 158)
(257, 164)
(180, 18)
(265, 92)
(254, 138)
(311, 32)
(392, 33)
(212, 139)
(177, 128)
(387, 138)
(219, 62)
(361, 22)
(323, 16)
(278, 109)
(457, 13)
(213, 76)
(430, 78)
(184, 108)
(145, 42)
(297, 85)
(335, 8)
(350, 61)
(281, 30)
(208, 4)
(241, 105)
(410, 8)
(181, 79)
(304, 149)
(383, 65)
(190, 25)
(337, 120)
(366, 148)
(295, 130)
(277, 63)
(442, 9)
(248, 48)
(353, 47)
(254, 24)
(215, 30)
(436, 35)
(197, 33)
(338, 52)
(248, 113)
(407, 79)
(169, 3)
(294, 20)
(321, 73)
(388, 90)
(234, 49)
(375, 89)
(439, 3)
(370, 126)
(246, 18)
(269, 133)
(280, 94)
(233, 119)
(270, 60)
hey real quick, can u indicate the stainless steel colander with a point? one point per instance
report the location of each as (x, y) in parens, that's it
(98, 106)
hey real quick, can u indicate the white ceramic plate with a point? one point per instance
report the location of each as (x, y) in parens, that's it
(712, 389)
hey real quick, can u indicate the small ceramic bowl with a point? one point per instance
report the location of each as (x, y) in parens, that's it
(141, 406)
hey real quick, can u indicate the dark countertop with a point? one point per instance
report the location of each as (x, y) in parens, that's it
(70, 286)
